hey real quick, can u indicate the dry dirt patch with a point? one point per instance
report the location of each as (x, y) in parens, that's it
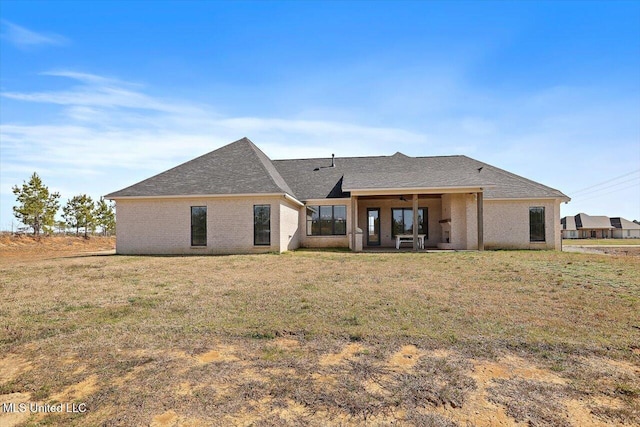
(335, 358)
(11, 366)
(344, 339)
(171, 419)
(354, 364)
(14, 418)
(23, 248)
(77, 391)
(406, 358)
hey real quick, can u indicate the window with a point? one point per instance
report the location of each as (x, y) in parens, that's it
(198, 226)
(402, 221)
(536, 224)
(327, 220)
(262, 225)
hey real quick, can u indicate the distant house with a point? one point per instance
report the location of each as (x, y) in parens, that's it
(587, 226)
(583, 226)
(569, 229)
(237, 200)
(625, 229)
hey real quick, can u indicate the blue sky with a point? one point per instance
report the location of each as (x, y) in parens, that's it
(95, 96)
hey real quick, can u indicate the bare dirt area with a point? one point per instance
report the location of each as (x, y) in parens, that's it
(625, 247)
(506, 338)
(15, 248)
(630, 250)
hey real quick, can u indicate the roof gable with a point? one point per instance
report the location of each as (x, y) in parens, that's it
(237, 168)
(242, 168)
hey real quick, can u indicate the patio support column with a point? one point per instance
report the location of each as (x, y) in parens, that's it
(480, 206)
(415, 222)
(354, 221)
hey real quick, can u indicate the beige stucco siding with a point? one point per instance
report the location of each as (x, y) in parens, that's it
(626, 234)
(570, 234)
(289, 226)
(163, 226)
(506, 224)
(456, 208)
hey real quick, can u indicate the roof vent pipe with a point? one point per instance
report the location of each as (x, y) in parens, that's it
(333, 160)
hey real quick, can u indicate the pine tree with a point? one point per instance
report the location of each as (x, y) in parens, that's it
(36, 206)
(105, 216)
(61, 226)
(78, 212)
(70, 214)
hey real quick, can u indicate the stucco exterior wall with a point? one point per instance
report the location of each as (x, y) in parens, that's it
(470, 202)
(433, 206)
(506, 224)
(455, 208)
(163, 226)
(289, 226)
(324, 241)
(570, 234)
(599, 233)
(626, 234)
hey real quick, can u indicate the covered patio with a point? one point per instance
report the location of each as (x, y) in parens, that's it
(445, 218)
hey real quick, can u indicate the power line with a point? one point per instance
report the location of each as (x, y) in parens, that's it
(637, 180)
(605, 182)
(579, 199)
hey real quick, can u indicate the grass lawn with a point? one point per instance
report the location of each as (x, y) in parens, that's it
(324, 338)
(601, 242)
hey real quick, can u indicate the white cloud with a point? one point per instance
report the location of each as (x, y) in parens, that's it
(22, 37)
(111, 133)
(88, 78)
(104, 96)
(132, 129)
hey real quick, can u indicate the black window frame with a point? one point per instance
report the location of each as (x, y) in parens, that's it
(202, 233)
(537, 224)
(425, 220)
(326, 227)
(257, 227)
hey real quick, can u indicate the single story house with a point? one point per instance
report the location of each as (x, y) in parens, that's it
(569, 229)
(583, 226)
(237, 200)
(625, 229)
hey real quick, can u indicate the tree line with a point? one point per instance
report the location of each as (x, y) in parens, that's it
(37, 209)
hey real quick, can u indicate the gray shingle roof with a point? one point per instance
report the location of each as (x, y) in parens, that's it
(315, 179)
(587, 221)
(241, 168)
(624, 224)
(237, 168)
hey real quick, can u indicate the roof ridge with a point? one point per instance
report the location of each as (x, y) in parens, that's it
(328, 158)
(269, 168)
(369, 157)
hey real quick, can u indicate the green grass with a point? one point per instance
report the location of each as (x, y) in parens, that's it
(139, 324)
